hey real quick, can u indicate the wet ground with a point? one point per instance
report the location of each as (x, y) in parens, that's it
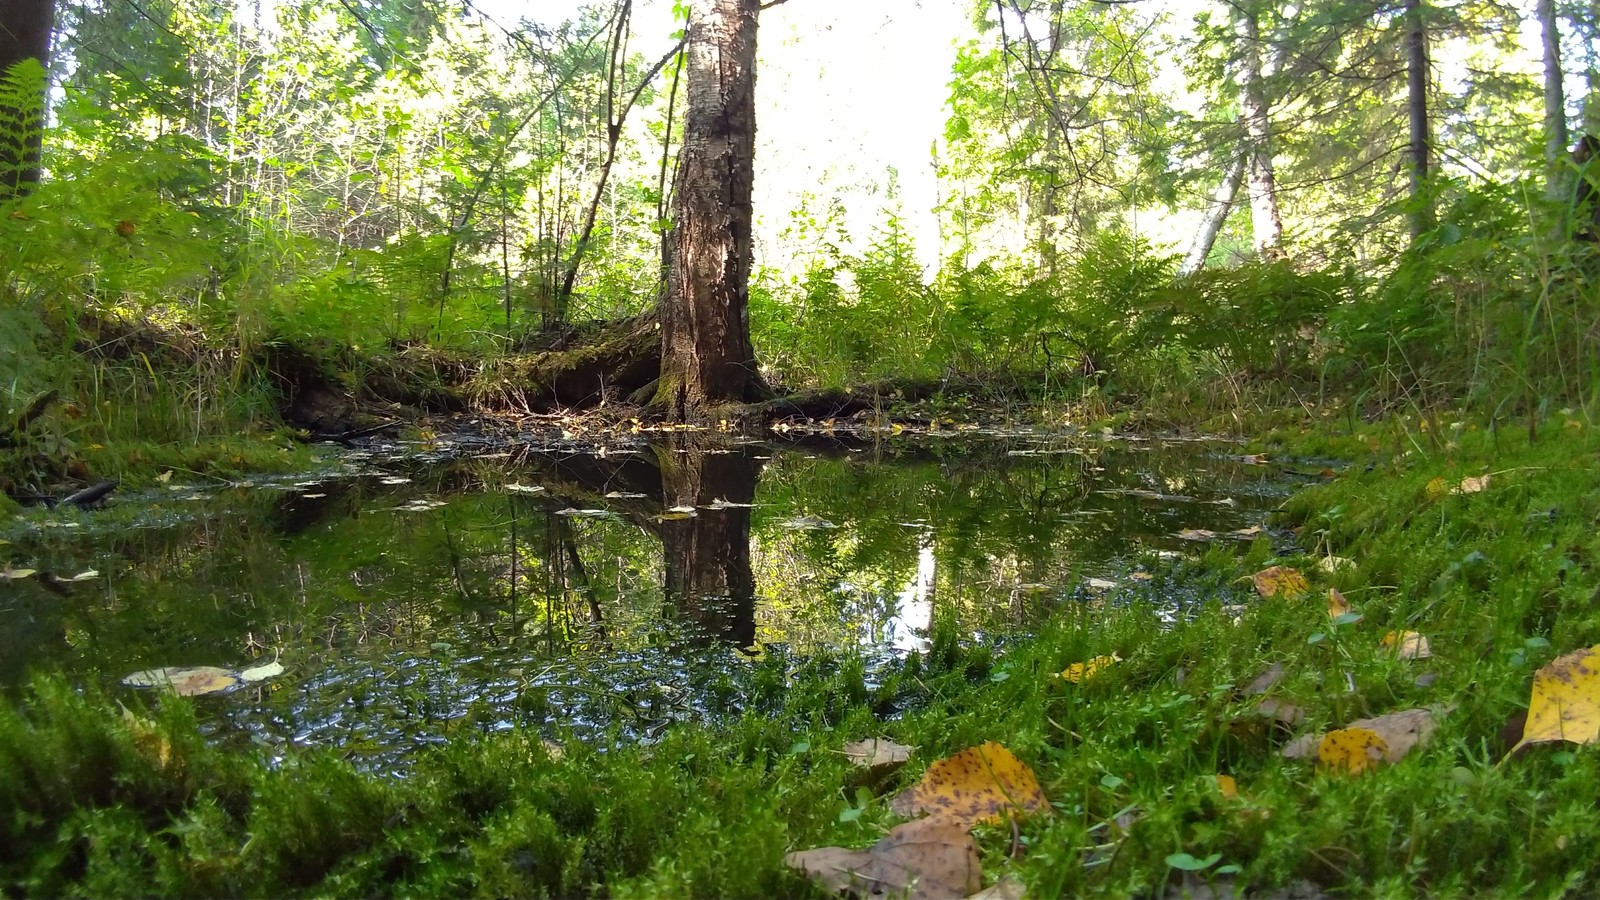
(415, 590)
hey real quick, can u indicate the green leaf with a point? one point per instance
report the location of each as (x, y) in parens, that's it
(1189, 864)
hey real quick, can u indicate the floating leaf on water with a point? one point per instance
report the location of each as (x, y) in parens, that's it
(684, 510)
(670, 516)
(1141, 576)
(186, 681)
(11, 574)
(525, 488)
(1248, 532)
(1197, 534)
(625, 495)
(1100, 584)
(876, 752)
(1565, 704)
(394, 479)
(1408, 644)
(920, 860)
(1083, 671)
(720, 503)
(1276, 581)
(262, 672)
(976, 785)
(586, 513)
(1337, 604)
(807, 523)
(85, 575)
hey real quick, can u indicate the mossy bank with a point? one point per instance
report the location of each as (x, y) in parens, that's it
(100, 801)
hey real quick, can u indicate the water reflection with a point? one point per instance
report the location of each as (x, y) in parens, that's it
(589, 590)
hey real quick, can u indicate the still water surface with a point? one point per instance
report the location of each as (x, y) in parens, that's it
(412, 593)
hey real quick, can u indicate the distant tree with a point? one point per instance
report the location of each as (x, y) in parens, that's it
(24, 35)
(1555, 103)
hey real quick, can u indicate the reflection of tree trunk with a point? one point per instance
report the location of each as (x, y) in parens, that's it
(708, 577)
(577, 575)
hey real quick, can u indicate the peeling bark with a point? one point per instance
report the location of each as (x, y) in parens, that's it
(1266, 220)
(1216, 215)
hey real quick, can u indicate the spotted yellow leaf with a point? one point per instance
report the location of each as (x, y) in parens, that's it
(1083, 671)
(1276, 581)
(1352, 750)
(979, 784)
(1565, 705)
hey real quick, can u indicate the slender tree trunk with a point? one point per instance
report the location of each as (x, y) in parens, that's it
(1266, 220)
(706, 355)
(1216, 215)
(24, 34)
(1555, 103)
(1417, 113)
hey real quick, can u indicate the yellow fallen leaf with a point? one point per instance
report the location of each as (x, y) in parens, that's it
(189, 681)
(1408, 644)
(1352, 750)
(1337, 604)
(1280, 581)
(1565, 705)
(1397, 733)
(1333, 565)
(976, 785)
(1435, 489)
(1083, 671)
(1227, 787)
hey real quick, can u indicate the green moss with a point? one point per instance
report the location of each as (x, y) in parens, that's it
(1501, 581)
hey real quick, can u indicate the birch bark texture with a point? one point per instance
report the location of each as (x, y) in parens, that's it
(706, 355)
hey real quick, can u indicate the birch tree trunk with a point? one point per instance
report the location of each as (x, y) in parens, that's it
(1216, 215)
(706, 355)
(1267, 222)
(24, 34)
(1555, 103)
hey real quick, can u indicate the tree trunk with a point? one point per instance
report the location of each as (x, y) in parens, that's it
(1555, 103)
(706, 355)
(1417, 113)
(1267, 222)
(24, 34)
(1216, 215)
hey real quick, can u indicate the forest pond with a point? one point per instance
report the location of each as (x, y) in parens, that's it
(412, 592)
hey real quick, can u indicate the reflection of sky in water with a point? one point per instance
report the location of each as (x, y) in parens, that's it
(393, 604)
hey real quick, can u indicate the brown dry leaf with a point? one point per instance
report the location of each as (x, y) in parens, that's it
(1471, 485)
(1281, 581)
(1248, 532)
(1083, 671)
(1263, 682)
(1197, 534)
(1352, 750)
(1401, 731)
(927, 858)
(1565, 705)
(1337, 604)
(1408, 644)
(1279, 711)
(976, 785)
(877, 752)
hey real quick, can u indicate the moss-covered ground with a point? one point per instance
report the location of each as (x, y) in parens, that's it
(102, 802)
